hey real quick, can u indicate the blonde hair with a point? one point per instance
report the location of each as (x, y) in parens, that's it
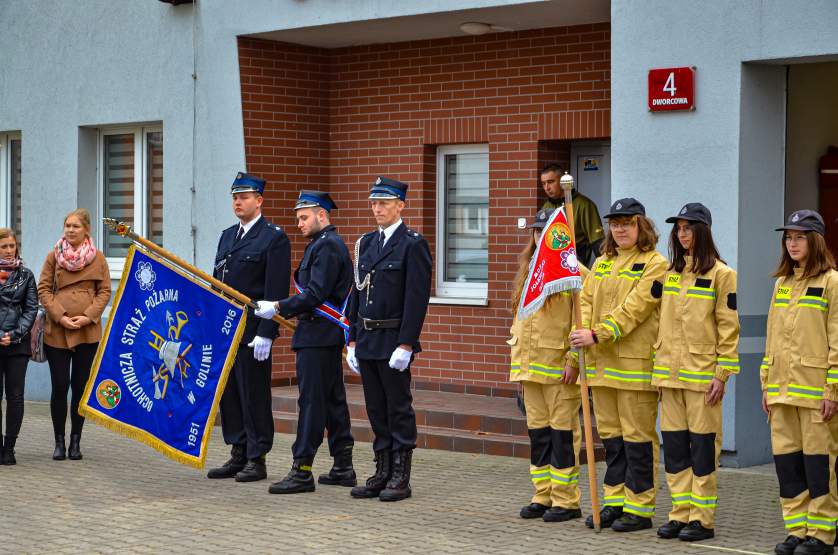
(5, 233)
(82, 214)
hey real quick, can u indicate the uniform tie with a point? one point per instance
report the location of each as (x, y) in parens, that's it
(380, 241)
(239, 234)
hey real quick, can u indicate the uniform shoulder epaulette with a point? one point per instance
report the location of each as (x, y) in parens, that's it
(414, 234)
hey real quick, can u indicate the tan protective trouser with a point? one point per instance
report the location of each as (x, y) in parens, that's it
(626, 423)
(555, 440)
(692, 443)
(805, 448)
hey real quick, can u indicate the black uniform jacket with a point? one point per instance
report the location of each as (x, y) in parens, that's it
(324, 275)
(259, 266)
(400, 287)
(18, 307)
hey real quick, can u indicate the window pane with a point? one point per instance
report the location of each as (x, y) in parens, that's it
(154, 173)
(14, 189)
(119, 189)
(466, 218)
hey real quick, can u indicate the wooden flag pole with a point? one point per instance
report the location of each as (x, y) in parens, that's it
(126, 231)
(567, 186)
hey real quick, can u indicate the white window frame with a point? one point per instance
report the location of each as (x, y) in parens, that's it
(452, 289)
(6, 216)
(141, 185)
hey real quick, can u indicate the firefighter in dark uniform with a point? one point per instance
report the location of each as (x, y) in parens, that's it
(254, 257)
(387, 310)
(322, 281)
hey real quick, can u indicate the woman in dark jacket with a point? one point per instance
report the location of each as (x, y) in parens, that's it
(18, 307)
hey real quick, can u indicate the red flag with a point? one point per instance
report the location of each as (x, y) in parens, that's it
(553, 267)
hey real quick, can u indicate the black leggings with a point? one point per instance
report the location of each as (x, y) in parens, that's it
(63, 380)
(12, 379)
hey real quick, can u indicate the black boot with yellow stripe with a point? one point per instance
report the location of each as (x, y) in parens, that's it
(299, 480)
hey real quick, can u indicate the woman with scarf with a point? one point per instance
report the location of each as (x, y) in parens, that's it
(74, 287)
(18, 307)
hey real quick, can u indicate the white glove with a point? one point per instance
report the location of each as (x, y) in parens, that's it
(351, 360)
(261, 348)
(266, 310)
(400, 359)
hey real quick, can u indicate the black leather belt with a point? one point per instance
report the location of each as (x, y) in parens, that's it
(381, 324)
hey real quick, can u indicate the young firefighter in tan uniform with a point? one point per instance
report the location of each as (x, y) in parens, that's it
(696, 352)
(799, 377)
(551, 395)
(620, 306)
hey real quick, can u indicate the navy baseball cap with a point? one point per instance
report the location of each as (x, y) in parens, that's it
(804, 220)
(693, 212)
(626, 207)
(541, 218)
(314, 199)
(385, 188)
(246, 183)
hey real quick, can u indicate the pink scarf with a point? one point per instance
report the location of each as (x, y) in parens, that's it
(72, 259)
(9, 265)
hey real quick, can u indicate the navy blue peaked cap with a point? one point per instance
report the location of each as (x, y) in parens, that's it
(246, 183)
(313, 199)
(385, 188)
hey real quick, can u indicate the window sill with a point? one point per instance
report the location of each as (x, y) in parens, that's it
(463, 301)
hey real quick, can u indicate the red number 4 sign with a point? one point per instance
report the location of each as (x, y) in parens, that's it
(671, 89)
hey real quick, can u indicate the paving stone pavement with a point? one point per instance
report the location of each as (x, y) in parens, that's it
(125, 498)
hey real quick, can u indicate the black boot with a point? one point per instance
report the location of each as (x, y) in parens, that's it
(9, 451)
(299, 480)
(74, 450)
(560, 514)
(398, 487)
(533, 510)
(607, 516)
(2, 450)
(631, 523)
(378, 481)
(342, 472)
(814, 546)
(788, 546)
(60, 452)
(695, 532)
(253, 471)
(671, 529)
(233, 466)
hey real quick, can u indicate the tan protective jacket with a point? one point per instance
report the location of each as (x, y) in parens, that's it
(621, 304)
(801, 350)
(540, 343)
(698, 337)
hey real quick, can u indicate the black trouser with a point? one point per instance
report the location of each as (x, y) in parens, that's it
(69, 369)
(12, 380)
(389, 405)
(322, 402)
(246, 415)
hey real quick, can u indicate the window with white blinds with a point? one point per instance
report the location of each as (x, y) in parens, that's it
(10, 182)
(462, 221)
(131, 176)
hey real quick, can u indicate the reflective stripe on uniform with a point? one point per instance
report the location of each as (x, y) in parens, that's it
(629, 274)
(627, 375)
(639, 510)
(783, 296)
(805, 391)
(773, 389)
(708, 502)
(660, 371)
(701, 292)
(832, 375)
(809, 301)
(681, 498)
(693, 376)
(764, 365)
(515, 368)
(590, 371)
(613, 500)
(615, 329)
(539, 474)
(795, 521)
(820, 522)
(564, 479)
(545, 370)
(731, 364)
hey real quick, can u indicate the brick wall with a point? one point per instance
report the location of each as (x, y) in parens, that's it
(335, 119)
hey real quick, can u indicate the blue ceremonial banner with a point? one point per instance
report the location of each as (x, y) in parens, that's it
(163, 361)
